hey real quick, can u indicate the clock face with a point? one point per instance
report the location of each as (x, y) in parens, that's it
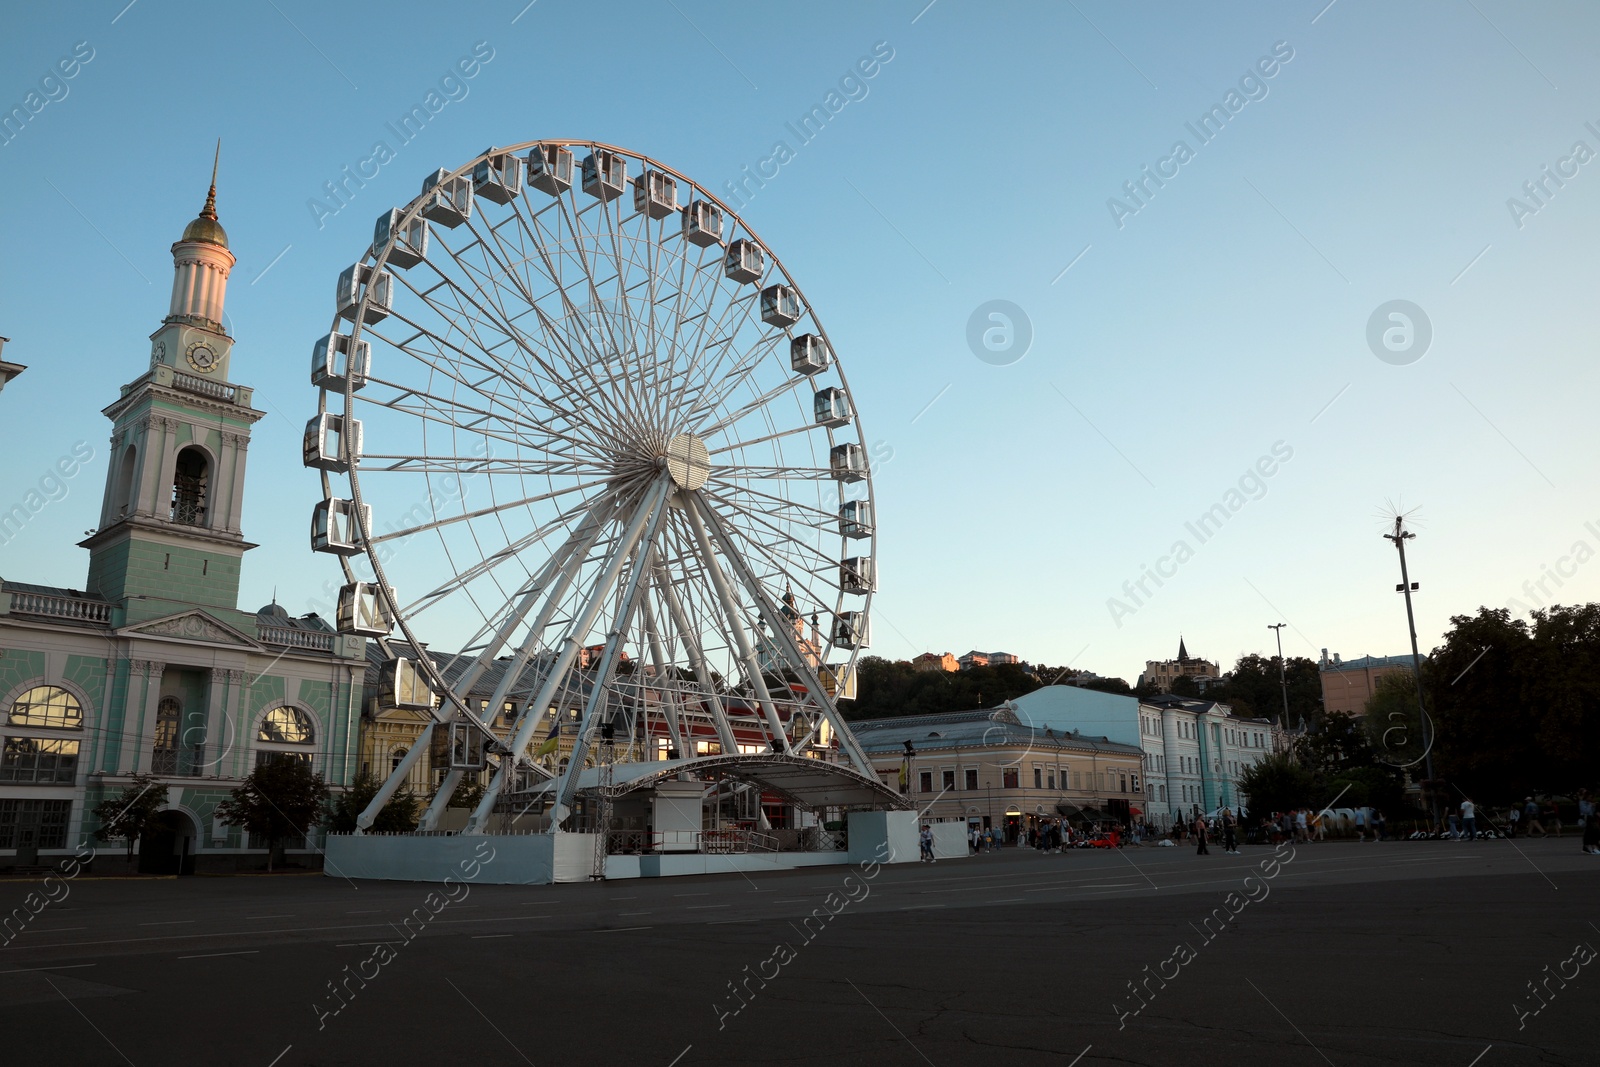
(202, 358)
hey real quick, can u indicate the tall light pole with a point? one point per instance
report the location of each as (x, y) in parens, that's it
(1400, 536)
(1283, 673)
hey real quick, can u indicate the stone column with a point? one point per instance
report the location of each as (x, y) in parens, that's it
(141, 741)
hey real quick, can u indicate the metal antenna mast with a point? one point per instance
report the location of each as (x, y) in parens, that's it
(1400, 536)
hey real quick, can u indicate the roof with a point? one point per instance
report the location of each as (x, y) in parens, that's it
(8, 586)
(1369, 662)
(1197, 706)
(808, 782)
(973, 729)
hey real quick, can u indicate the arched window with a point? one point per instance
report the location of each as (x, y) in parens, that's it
(395, 759)
(47, 705)
(189, 487)
(49, 760)
(287, 725)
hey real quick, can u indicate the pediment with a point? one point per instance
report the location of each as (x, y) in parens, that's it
(193, 625)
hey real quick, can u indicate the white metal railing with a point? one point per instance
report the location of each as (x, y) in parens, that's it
(290, 637)
(203, 386)
(60, 607)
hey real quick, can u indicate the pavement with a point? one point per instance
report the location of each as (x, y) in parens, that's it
(1459, 954)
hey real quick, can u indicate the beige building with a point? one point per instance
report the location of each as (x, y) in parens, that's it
(1346, 687)
(936, 661)
(1162, 673)
(986, 769)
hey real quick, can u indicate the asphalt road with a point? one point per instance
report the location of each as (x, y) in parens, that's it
(1345, 954)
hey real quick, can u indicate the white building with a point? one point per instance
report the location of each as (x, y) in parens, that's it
(1195, 751)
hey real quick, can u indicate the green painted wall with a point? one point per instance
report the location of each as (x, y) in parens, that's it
(18, 666)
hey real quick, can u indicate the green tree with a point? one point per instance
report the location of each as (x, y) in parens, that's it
(1277, 783)
(1516, 704)
(127, 816)
(468, 792)
(281, 798)
(398, 816)
(1254, 689)
(1393, 725)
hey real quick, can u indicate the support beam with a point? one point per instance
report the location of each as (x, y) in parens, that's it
(654, 501)
(387, 790)
(774, 619)
(730, 609)
(697, 662)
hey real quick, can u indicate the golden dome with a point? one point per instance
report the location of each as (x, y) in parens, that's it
(206, 229)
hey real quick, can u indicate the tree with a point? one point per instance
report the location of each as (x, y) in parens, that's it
(1277, 783)
(398, 816)
(468, 792)
(1516, 707)
(126, 817)
(1393, 725)
(281, 798)
(888, 688)
(1255, 690)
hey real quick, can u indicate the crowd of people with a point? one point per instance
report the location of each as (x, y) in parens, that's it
(1298, 825)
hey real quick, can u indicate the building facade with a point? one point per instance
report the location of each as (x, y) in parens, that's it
(985, 659)
(1346, 687)
(151, 667)
(1162, 673)
(936, 661)
(987, 768)
(1195, 752)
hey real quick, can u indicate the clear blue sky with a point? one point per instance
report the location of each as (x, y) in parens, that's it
(1220, 318)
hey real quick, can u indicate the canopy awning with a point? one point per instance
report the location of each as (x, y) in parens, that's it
(808, 782)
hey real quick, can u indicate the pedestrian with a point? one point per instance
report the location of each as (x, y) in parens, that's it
(1361, 826)
(1380, 828)
(1469, 819)
(1230, 843)
(1591, 831)
(1300, 832)
(1200, 836)
(1455, 824)
(1586, 809)
(1555, 817)
(1513, 817)
(927, 843)
(1530, 818)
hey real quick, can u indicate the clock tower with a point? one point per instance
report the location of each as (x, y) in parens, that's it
(169, 525)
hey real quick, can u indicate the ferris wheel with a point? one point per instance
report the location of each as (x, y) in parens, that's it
(577, 422)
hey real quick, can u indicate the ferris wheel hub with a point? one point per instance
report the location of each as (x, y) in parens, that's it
(688, 461)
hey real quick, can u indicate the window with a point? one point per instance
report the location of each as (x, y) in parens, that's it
(48, 761)
(1008, 778)
(925, 781)
(395, 759)
(1077, 780)
(47, 705)
(509, 712)
(34, 822)
(948, 778)
(972, 778)
(285, 725)
(708, 748)
(1050, 779)
(304, 757)
(1038, 777)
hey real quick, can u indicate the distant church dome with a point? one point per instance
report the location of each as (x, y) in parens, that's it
(273, 611)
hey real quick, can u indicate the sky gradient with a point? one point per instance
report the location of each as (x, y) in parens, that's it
(1187, 338)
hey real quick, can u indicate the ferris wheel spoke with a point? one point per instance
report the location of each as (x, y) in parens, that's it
(575, 361)
(759, 403)
(450, 412)
(817, 517)
(408, 464)
(527, 501)
(729, 472)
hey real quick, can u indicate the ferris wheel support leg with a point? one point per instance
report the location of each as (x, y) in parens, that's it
(586, 534)
(600, 689)
(802, 666)
(697, 662)
(396, 777)
(653, 503)
(658, 658)
(441, 800)
(730, 609)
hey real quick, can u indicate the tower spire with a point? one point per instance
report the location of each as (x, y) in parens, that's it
(210, 210)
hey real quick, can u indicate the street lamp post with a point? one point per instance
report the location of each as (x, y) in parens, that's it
(1400, 536)
(1283, 673)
